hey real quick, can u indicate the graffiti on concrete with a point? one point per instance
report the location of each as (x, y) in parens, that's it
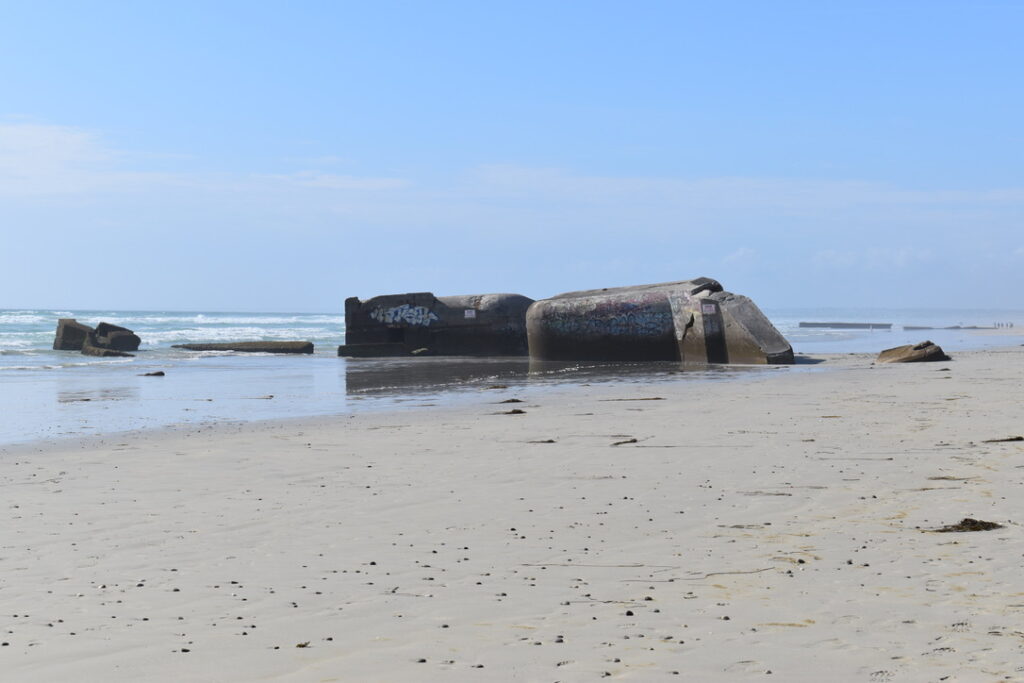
(618, 320)
(410, 315)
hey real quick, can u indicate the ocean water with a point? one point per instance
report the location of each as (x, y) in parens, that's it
(816, 341)
(54, 394)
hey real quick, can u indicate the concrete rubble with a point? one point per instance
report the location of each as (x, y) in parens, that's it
(105, 340)
(913, 353)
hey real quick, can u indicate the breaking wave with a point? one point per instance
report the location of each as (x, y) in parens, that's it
(238, 333)
(63, 366)
(26, 336)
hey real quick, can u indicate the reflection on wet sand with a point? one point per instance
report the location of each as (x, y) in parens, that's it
(383, 376)
(104, 394)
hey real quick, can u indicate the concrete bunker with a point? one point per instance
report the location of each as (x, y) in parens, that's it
(693, 321)
(419, 323)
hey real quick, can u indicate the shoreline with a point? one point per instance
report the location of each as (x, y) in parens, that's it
(51, 394)
(781, 523)
(452, 397)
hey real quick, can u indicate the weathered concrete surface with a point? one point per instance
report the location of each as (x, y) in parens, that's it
(693, 321)
(419, 323)
(114, 337)
(88, 349)
(252, 347)
(71, 335)
(913, 353)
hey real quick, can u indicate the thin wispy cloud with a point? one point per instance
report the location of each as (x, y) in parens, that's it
(740, 256)
(790, 194)
(573, 229)
(42, 160)
(872, 258)
(45, 159)
(331, 181)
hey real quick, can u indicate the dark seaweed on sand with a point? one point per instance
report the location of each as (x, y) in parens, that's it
(968, 524)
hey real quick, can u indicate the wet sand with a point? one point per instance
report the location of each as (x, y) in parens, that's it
(778, 526)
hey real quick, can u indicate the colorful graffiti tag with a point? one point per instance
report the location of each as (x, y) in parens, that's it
(410, 315)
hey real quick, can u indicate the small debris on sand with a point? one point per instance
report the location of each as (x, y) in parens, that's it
(511, 400)
(968, 524)
(158, 373)
(514, 411)
(1009, 438)
(619, 443)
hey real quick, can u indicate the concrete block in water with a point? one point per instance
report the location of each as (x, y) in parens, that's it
(74, 336)
(693, 321)
(71, 335)
(107, 336)
(419, 323)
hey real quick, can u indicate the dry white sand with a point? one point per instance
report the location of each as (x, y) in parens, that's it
(773, 527)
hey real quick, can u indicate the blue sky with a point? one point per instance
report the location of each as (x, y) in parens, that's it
(264, 156)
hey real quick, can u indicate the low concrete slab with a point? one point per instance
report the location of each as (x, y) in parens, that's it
(252, 347)
(89, 350)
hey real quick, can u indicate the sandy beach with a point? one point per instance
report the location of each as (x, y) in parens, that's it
(778, 526)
